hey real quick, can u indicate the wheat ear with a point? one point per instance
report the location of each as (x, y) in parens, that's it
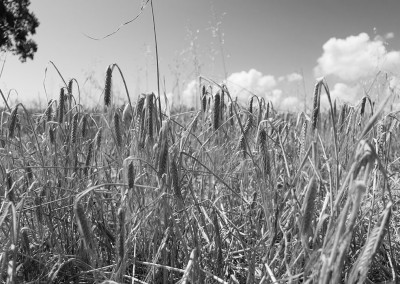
(61, 106)
(309, 205)
(163, 154)
(74, 129)
(84, 125)
(316, 104)
(216, 110)
(149, 115)
(117, 129)
(13, 122)
(107, 88)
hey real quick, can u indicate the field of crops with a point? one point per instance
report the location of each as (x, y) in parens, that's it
(226, 193)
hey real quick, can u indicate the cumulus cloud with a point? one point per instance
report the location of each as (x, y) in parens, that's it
(294, 77)
(394, 82)
(389, 35)
(291, 104)
(189, 95)
(343, 93)
(241, 83)
(356, 57)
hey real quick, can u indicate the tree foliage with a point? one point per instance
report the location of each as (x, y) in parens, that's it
(17, 25)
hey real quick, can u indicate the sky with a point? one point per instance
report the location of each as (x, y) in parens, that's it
(272, 48)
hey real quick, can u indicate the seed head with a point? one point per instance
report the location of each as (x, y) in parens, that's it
(84, 125)
(107, 88)
(70, 83)
(149, 115)
(49, 111)
(131, 175)
(316, 104)
(88, 158)
(13, 122)
(117, 129)
(163, 154)
(74, 128)
(217, 102)
(363, 101)
(309, 204)
(61, 106)
(97, 138)
(251, 104)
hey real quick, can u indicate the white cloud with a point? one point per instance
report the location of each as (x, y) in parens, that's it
(343, 93)
(189, 95)
(170, 100)
(294, 77)
(241, 83)
(389, 35)
(275, 94)
(394, 82)
(356, 57)
(291, 104)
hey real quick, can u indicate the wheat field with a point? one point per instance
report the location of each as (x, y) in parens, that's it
(227, 193)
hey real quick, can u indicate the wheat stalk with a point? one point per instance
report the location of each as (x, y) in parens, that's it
(121, 234)
(189, 266)
(127, 115)
(121, 245)
(97, 138)
(83, 226)
(358, 273)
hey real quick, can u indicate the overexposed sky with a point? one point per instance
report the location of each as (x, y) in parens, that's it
(267, 46)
